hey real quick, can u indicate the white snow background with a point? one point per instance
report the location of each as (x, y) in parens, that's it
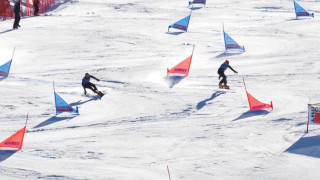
(142, 124)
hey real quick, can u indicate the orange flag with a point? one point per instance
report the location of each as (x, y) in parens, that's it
(183, 67)
(16, 140)
(254, 103)
(257, 105)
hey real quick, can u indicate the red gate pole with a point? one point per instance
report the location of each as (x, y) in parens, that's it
(168, 172)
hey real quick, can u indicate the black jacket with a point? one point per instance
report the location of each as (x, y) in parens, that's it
(16, 8)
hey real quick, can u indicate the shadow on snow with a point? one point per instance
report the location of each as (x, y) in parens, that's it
(56, 5)
(52, 120)
(175, 33)
(94, 98)
(56, 118)
(6, 31)
(252, 114)
(227, 54)
(195, 8)
(308, 146)
(203, 103)
(5, 154)
(174, 80)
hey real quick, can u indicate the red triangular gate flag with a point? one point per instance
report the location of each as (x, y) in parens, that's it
(182, 68)
(254, 103)
(257, 105)
(16, 140)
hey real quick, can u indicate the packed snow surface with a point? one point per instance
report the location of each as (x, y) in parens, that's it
(147, 121)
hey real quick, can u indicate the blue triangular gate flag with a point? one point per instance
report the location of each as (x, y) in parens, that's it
(4, 70)
(230, 43)
(181, 24)
(300, 11)
(62, 106)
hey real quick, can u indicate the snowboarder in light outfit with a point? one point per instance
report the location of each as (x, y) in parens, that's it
(221, 70)
(87, 84)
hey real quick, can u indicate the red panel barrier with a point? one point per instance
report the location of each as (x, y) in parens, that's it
(317, 118)
(5, 10)
(43, 6)
(29, 8)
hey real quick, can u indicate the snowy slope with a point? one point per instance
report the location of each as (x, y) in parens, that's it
(142, 125)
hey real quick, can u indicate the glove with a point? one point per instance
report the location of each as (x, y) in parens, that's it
(98, 79)
(85, 92)
(235, 72)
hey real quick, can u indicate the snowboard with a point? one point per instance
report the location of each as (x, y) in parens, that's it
(101, 94)
(222, 87)
(98, 93)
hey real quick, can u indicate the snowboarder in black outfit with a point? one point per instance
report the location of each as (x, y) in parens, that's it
(16, 10)
(87, 84)
(221, 70)
(36, 7)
